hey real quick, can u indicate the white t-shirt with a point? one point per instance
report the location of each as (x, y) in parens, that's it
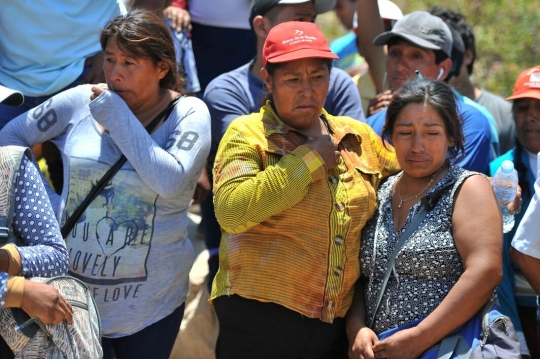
(230, 14)
(527, 237)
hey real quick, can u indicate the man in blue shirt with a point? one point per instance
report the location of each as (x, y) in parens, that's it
(239, 92)
(423, 42)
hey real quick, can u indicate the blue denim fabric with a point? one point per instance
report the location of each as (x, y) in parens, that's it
(185, 57)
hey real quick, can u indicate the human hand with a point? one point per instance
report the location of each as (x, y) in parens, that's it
(202, 189)
(44, 302)
(97, 90)
(180, 18)
(405, 344)
(379, 102)
(326, 149)
(362, 346)
(514, 207)
(96, 74)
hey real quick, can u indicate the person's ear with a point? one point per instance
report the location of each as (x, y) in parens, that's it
(261, 26)
(468, 58)
(163, 69)
(444, 70)
(267, 79)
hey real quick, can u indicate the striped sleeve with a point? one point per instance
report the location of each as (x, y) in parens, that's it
(245, 194)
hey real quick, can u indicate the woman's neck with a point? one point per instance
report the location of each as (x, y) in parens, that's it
(154, 106)
(318, 129)
(410, 190)
(411, 186)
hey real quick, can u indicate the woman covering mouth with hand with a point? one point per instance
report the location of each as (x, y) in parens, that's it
(130, 245)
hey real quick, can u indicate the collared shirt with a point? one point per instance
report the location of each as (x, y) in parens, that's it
(292, 227)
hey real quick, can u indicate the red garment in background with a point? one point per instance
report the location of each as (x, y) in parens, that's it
(179, 3)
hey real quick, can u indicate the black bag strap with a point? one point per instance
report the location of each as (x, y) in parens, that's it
(98, 187)
(429, 202)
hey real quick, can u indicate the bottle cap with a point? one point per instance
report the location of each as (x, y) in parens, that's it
(507, 166)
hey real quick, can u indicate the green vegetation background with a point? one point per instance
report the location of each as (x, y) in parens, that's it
(507, 36)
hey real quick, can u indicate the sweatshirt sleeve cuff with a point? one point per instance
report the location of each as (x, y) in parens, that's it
(15, 291)
(313, 161)
(15, 261)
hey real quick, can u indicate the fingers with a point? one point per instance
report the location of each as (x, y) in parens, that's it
(45, 302)
(381, 353)
(97, 90)
(381, 101)
(515, 206)
(67, 310)
(69, 316)
(62, 311)
(179, 18)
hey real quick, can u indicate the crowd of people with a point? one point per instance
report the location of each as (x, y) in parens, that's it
(344, 188)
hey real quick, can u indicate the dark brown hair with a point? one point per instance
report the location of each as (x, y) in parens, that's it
(439, 96)
(143, 34)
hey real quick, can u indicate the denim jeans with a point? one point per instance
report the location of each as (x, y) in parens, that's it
(185, 58)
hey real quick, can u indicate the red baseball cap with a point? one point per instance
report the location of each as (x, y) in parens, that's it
(295, 40)
(527, 84)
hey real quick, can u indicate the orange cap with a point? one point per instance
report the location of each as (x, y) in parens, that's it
(527, 84)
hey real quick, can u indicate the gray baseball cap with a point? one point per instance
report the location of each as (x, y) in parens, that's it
(422, 29)
(10, 97)
(261, 7)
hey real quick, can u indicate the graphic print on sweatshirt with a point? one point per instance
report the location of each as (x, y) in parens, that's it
(111, 241)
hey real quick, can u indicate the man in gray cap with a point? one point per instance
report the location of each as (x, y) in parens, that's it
(239, 92)
(421, 41)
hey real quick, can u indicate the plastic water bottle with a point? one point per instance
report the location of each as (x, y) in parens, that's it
(505, 184)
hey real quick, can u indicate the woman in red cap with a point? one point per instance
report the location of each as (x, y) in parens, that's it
(517, 297)
(293, 188)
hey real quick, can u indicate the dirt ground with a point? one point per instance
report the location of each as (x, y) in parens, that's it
(199, 329)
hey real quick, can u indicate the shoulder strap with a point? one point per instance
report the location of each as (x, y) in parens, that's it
(98, 187)
(429, 202)
(10, 162)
